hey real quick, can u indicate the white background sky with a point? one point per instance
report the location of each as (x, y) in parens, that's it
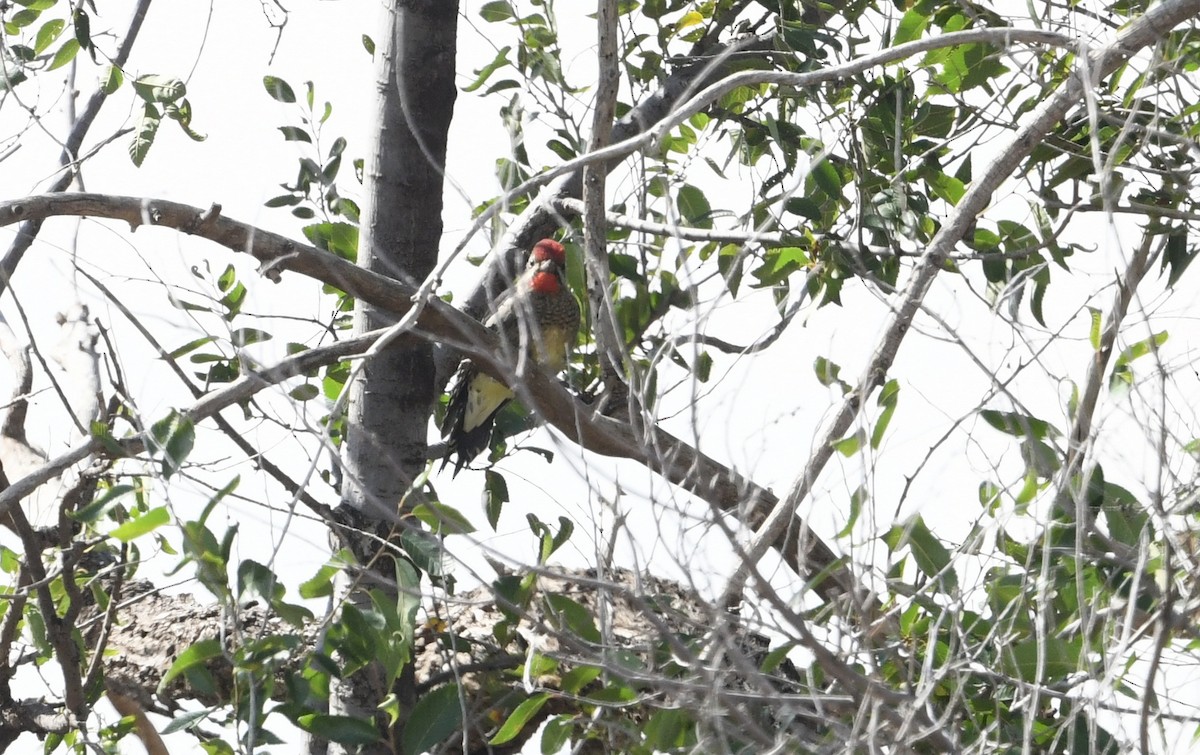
(763, 413)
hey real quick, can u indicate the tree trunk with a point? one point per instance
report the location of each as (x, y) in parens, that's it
(388, 418)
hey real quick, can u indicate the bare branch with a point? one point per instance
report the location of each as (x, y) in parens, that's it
(660, 451)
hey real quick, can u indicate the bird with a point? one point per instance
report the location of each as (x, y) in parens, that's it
(539, 314)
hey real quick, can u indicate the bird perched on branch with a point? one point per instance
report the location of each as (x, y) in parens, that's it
(539, 317)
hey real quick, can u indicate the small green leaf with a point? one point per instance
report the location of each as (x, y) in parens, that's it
(345, 730)
(497, 10)
(887, 399)
(368, 44)
(828, 374)
(931, 556)
(143, 135)
(48, 34)
(483, 74)
(279, 89)
(1094, 331)
(159, 88)
(320, 585)
(197, 654)
(100, 506)
(437, 715)
(694, 207)
(989, 495)
(495, 495)
(704, 365)
(305, 392)
(519, 717)
(1142, 348)
(849, 445)
(144, 524)
(1019, 425)
(65, 54)
(1057, 657)
(827, 178)
(246, 336)
(190, 346)
(443, 519)
(556, 734)
(83, 28)
(573, 616)
(186, 721)
(295, 134)
(911, 27)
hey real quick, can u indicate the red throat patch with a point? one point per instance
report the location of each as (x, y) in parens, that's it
(545, 283)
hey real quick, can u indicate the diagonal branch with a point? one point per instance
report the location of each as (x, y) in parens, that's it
(660, 451)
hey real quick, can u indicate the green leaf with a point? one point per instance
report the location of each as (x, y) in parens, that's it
(849, 445)
(516, 720)
(497, 10)
(828, 374)
(779, 263)
(46, 35)
(320, 585)
(65, 54)
(989, 495)
(1142, 348)
(143, 135)
(1058, 657)
(704, 365)
(1177, 255)
(186, 721)
(83, 28)
(931, 556)
(437, 715)
(337, 237)
(305, 392)
(556, 734)
(887, 399)
(345, 730)
(1094, 331)
(694, 207)
(295, 134)
(159, 88)
(190, 346)
(100, 506)
(857, 499)
(911, 27)
(279, 89)
(827, 178)
(197, 654)
(483, 74)
(495, 495)
(144, 524)
(1019, 425)
(368, 45)
(246, 336)
(570, 615)
(443, 519)
(174, 436)
(579, 677)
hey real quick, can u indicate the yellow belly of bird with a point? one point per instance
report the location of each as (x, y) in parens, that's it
(552, 349)
(483, 396)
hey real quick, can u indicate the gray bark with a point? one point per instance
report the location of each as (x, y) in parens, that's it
(390, 403)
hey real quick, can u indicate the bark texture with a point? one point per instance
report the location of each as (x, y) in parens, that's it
(390, 403)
